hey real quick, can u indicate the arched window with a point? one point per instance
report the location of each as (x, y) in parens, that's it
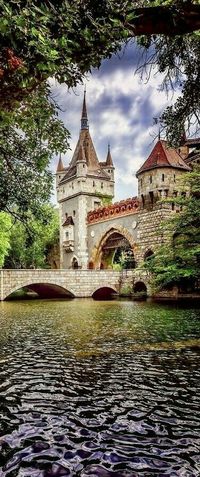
(74, 263)
(148, 255)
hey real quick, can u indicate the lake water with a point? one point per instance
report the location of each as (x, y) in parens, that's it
(99, 389)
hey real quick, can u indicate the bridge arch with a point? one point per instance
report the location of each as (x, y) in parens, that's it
(43, 290)
(104, 293)
(140, 288)
(103, 253)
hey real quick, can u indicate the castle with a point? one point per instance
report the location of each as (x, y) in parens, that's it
(93, 230)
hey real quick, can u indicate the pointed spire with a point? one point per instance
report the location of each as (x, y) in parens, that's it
(60, 166)
(84, 117)
(109, 161)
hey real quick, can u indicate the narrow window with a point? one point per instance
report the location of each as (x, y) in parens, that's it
(143, 201)
(151, 197)
(174, 177)
(102, 185)
(93, 184)
(74, 213)
(163, 177)
(150, 179)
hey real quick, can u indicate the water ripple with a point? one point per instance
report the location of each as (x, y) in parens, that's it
(93, 397)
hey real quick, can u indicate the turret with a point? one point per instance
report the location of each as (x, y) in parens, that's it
(157, 176)
(108, 165)
(60, 171)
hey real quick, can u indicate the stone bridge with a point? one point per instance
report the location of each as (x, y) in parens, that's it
(74, 283)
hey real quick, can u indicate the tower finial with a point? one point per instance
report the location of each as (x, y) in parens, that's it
(109, 161)
(84, 117)
(60, 166)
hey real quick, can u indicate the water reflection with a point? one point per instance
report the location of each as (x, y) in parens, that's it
(99, 389)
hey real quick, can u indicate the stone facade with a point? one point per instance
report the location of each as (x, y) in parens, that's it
(75, 283)
(90, 225)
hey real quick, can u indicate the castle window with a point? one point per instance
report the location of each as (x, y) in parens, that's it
(174, 177)
(151, 197)
(173, 206)
(166, 192)
(109, 169)
(143, 200)
(150, 179)
(93, 183)
(175, 193)
(83, 166)
(163, 177)
(102, 185)
(72, 185)
(66, 235)
(74, 213)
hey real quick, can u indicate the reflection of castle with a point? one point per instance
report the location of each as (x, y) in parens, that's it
(92, 229)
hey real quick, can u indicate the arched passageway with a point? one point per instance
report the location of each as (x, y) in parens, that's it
(140, 289)
(40, 290)
(104, 293)
(115, 251)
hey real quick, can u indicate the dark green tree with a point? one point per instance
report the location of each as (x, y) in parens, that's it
(5, 232)
(30, 244)
(65, 39)
(29, 137)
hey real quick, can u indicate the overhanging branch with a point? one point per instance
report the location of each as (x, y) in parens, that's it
(165, 20)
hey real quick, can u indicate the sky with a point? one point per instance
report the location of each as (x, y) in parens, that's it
(121, 107)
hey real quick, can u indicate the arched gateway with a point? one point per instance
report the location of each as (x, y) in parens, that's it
(116, 247)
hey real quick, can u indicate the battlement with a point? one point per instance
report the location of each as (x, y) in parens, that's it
(124, 207)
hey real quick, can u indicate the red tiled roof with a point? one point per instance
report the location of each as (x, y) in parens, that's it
(163, 156)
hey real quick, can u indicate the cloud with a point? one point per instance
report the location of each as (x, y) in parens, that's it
(121, 107)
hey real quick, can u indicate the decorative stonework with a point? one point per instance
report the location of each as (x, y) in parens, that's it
(97, 250)
(124, 207)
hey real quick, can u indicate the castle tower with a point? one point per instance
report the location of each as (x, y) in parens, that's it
(108, 165)
(157, 176)
(84, 185)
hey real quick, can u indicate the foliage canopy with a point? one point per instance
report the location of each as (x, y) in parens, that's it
(29, 245)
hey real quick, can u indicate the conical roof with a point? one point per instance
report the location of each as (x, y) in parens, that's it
(109, 161)
(85, 150)
(60, 166)
(163, 156)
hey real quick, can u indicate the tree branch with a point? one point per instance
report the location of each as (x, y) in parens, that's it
(165, 20)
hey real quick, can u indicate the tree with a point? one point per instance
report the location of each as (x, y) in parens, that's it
(5, 231)
(30, 244)
(178, 261)
(29, 138)
(66, 38)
